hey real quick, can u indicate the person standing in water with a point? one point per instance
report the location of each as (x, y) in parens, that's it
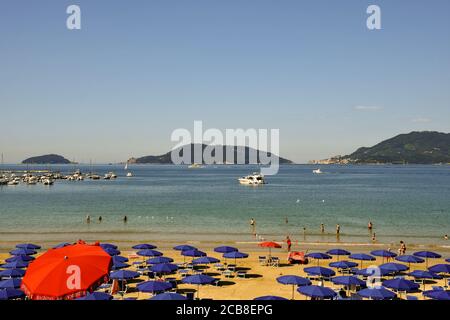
(322, 228)
(286, 220)
(370, 226)
(88, 219)
(289, 243)
(100, 219)
(125, 219)
(338, 229)
(253, 226)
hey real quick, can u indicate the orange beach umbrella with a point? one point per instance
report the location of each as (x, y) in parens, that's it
(270, 245)
(66, 273)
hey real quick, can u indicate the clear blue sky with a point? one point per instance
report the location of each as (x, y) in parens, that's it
(139, 69)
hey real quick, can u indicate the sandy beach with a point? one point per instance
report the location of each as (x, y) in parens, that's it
(260, 280)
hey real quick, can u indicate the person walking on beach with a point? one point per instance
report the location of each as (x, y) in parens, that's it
(338, 229)
(289, 243)
(322, 228)
(446, 237)
(402, 249)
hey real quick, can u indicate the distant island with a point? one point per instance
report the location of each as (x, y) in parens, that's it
(47, 159)
(426, 147)
(166, 158)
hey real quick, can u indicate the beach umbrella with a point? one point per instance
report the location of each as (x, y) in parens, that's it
(383, 254)
(371, 271)
(124, 275)
(62, 245)
(338, 252)
(111, 251)
(159, 260)
(198, 279)
(67, 272)
(294, 281)
(409, 259)
(13, 283)
(154, 286)
(184, 247)
(262, 298)
(437, 294)
(149, 253)
(108, 245)
(319, 271)
(168, 296)
(343, 264)
(20, 258)
(447, 260)
(205, 260)
(380, 293)
(119, 259)
(421, 274)
(164, 268)
(318, 256)
(12, 273)
(9, 294)
(96, 296)
(22, 252)
(440, 268)
(193, 253)
(427, 255)
(400, 284)
(119, 265)
(270, 245)
(235, 255)
(348, 281)
(18, 264)
(318, 292)
(144, 246)
(361, 257)
(392, 267)
(225, 249)
(28, 246)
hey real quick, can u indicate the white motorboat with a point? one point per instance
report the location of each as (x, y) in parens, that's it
(253, 179)
(317, 171)
(129, 174)
(47, 182)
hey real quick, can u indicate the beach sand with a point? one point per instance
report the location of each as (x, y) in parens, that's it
(261, 280)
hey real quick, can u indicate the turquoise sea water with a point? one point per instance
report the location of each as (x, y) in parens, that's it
(165, 202)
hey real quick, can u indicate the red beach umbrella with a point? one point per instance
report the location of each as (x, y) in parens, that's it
(270, 245)
(66, 273)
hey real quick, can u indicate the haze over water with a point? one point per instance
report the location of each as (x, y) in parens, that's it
(174, 203)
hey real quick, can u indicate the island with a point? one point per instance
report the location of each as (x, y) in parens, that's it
(425, 147)
(47, 159)
(236, 150)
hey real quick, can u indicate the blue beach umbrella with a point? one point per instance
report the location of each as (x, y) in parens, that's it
(348, 281)
(154, 286)
(124, 274)
(96, 296)
(401, 284)
(440, 268)
(294, 281)
(198, 279)
(447, 260)
(9, 294)
(22, 252)
(117, 265)
(20, 258)
(380, 293)
(12, 273)
(184, 247)
(343, 264)
(338, 252)
(119, 259)
(274, 298)
(235, 255)
(164, 268)
(13, 283)
(144, 246)
(111, 251)
(392, 267)
(168, 296)
(319, 271)
(108, 245)
(159, 260)
(361, 257)
(149, 253)
(225, 249)
(205, 260)
(409, 259)
(372, 271)
(193, 253)
(421, 274)
(62, 245)
(427, 255)
(318, 256)
(437, 294)
(317, 292)
(18, 264)
(383, 254)
(30, 246)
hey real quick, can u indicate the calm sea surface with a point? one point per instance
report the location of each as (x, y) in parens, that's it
(165, 202)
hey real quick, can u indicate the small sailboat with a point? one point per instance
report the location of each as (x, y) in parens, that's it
(129, 174)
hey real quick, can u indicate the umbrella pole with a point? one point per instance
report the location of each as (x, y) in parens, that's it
(293, 292)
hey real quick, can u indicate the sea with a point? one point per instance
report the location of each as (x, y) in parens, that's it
(179, 204)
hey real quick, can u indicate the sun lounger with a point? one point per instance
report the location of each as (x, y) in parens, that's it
(216, 282)
(241, 274)
(232, 267)
(227, 274)
(275, 262)
(262, 260)
(219, 267)
(184, 272)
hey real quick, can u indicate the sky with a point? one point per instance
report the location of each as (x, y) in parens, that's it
(138, 70)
